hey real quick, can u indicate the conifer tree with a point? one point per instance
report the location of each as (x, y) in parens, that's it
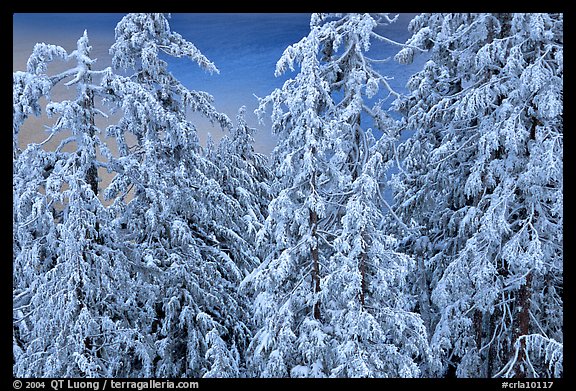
(481, 180)
(180, 224)
(323, 307)
(71, 311)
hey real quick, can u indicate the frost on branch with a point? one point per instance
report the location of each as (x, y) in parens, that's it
(482, 179)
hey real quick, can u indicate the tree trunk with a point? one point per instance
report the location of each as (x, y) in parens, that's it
(522, 326)
(362, 269)
(91, 177)
(424, 297)
(491, 354)
(315, 263)
(314, 253)
(479, 330)
(88, 106)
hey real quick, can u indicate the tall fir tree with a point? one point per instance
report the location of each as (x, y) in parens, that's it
(71, 309)
(210, 262)
(482, 182)
(146, 286)
(330, 294)
(243, 175)
(181, 225)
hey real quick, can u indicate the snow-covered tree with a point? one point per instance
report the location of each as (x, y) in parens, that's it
(377, 333)
(146, 286)
(72, 311)
(211, 261)
(330, 298)
(180, 223)
(243, 175)
(481, 183)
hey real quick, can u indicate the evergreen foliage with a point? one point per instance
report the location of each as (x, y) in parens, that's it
(421, 239)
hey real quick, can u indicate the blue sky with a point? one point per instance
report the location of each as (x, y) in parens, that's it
(244, 47)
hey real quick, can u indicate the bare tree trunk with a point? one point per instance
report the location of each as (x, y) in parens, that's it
(314, 253)
(522, 324)
(88, 106)
(489, 327)
(424, 297)
(362, 268)
(483, 324)
(477, 320)
(315, 263)
(92, 172)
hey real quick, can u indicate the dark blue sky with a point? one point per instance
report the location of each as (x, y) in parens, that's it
(244, 47)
